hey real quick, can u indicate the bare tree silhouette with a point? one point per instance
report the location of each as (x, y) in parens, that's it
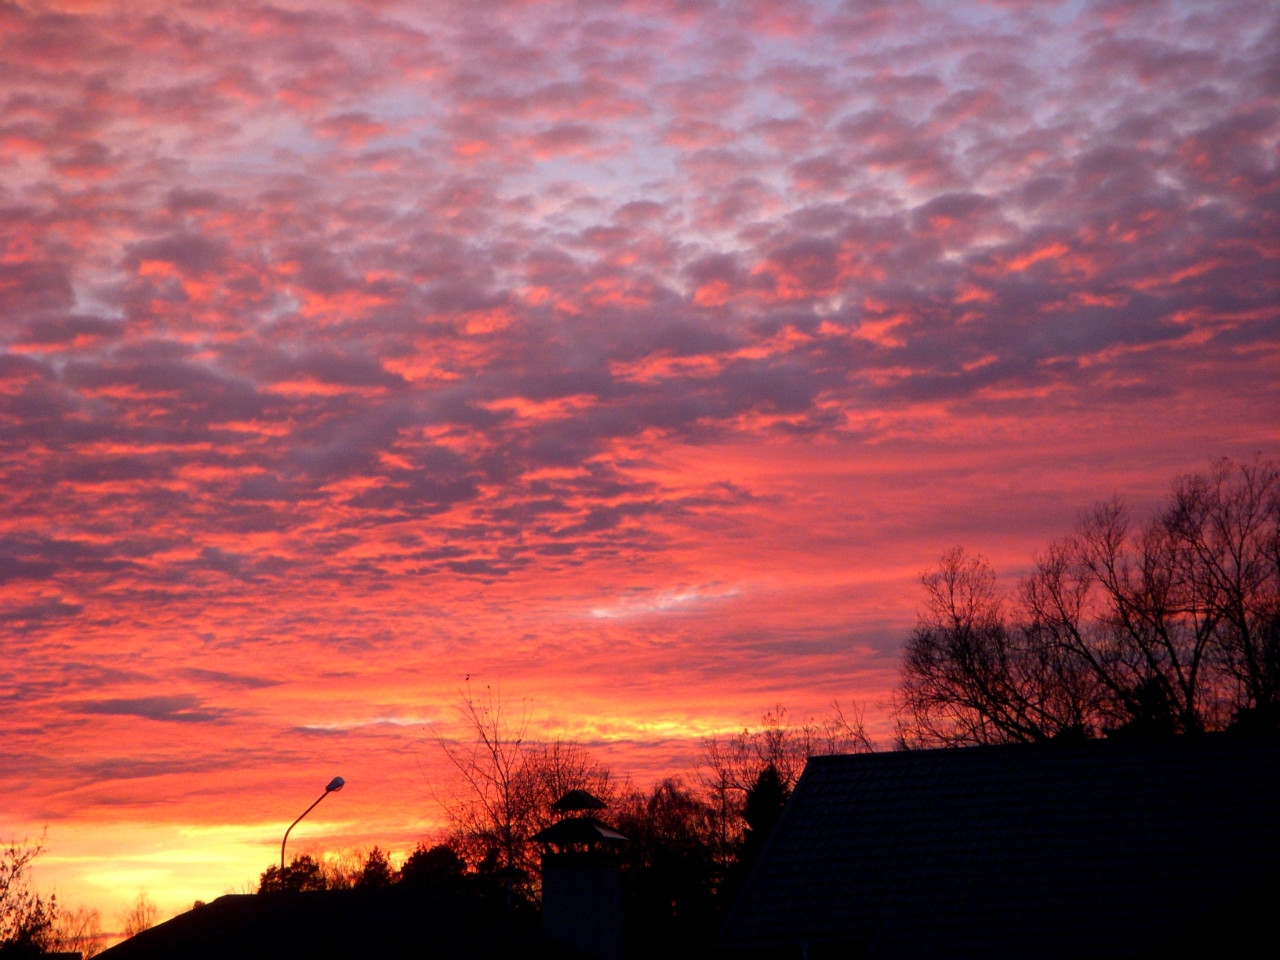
(26, 918)
(78, 931)
(141, 915)
(509, 783)
(1171, 626)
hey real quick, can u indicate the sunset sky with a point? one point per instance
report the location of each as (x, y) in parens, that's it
(630, 358)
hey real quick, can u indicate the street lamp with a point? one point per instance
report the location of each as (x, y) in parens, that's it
(336, 784)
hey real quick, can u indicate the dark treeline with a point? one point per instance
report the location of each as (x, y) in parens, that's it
(691, 838)
(1169, 626)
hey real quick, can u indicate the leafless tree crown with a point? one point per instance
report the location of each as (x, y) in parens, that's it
(509, 783)
(1170, 626)
(26, 917)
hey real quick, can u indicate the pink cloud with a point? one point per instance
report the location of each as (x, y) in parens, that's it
(352, 129)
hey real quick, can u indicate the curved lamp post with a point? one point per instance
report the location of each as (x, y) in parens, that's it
(336, 784)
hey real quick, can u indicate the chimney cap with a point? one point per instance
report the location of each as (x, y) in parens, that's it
(578, 800)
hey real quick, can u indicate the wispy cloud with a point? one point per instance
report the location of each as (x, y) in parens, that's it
(641, 604)
(180, 708)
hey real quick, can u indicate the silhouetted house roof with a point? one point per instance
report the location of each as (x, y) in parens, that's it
(391, 922)
(579, 830)
(1095, 849)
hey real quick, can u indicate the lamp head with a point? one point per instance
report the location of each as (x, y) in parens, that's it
(337, 783)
